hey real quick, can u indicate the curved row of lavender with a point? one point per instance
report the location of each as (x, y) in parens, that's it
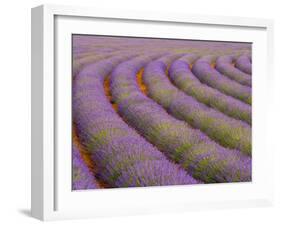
(228, 132)
(210, 76)
(244, 64)
(80, 62)
(183, 78)
(82, 177)
(199, 155)
(224, 66)
(122, 157)
(130, 157)
(88, 58)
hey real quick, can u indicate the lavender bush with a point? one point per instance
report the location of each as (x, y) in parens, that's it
(208, 75)
(117, 150)
(181, 75)
(244, 64)
(226, 131)
(224, 66)
(82, 177)
(154, 112)
(194, 151)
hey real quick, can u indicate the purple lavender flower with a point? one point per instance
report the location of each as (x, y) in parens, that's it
(199, 155)
(244, 64)
(226, 131)
(117, 150)
(82, 177)
(143, 130)
(208, 75)
(224, 66)
(181, 75)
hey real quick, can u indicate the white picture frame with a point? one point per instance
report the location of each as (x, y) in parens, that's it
(52, 197)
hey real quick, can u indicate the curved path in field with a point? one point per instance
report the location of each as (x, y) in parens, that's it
(203, 158)
(123, 158)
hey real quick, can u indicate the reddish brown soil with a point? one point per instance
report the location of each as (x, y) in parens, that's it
(106, 86)
(140, 82)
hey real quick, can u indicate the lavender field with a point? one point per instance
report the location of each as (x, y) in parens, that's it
(159, 112)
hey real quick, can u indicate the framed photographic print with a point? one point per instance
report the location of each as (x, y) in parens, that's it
(137, 112)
